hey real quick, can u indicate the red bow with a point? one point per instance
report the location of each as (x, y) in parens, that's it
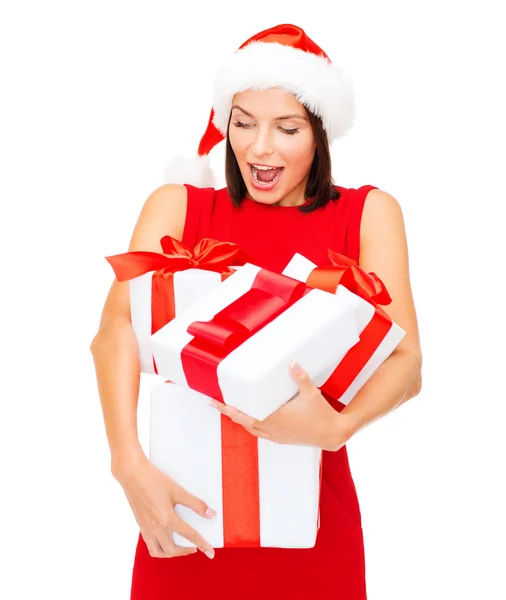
(208, 254)
(213, 340)
(346, 272)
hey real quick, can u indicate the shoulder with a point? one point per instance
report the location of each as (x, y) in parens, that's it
(163, 212)
(377, 200)
(168, 196)
(381, 215)
(382, 229)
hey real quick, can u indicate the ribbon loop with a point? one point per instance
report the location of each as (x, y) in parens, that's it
(345, 271)
(236, 322)
(366, 285)
(270, 295)
(208, 254)
(215, 337)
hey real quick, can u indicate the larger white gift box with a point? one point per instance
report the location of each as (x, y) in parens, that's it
(185, 443)
(300, 268)
(316, 331)
(189, 286)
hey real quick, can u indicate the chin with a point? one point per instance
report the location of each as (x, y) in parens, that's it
(266, 197)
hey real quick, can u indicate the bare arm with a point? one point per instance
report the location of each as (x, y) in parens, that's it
(152, 494)
(384, 251)
(114, 347)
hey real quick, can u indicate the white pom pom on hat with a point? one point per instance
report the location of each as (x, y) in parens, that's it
(283, 57)
(195, 170)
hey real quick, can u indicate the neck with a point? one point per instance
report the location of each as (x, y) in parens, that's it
(294, 198)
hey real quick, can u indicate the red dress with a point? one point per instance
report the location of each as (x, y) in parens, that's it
(335, 567)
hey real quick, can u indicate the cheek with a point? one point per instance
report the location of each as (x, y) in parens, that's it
(298, 148)
(238, 144)
(300, 157)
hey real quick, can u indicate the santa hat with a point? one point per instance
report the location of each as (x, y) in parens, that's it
(282, 57)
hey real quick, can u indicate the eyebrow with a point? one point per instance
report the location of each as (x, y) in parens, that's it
(294, 116)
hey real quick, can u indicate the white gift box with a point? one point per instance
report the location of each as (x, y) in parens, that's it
(300, 268)
(316, 331)
(189, 286)
(185, 443)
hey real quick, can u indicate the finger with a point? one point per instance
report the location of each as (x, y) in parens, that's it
(193, 536)
(302, 378)
(242, 419)
(235, 415)
(155, 549)
(266, 436)
(152, 544)
(181, 551)
(169, 548)
(184, 497)
(252, 426)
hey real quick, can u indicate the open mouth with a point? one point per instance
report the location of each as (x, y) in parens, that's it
(265, 176)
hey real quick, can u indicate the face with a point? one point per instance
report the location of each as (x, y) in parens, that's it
(260, 134)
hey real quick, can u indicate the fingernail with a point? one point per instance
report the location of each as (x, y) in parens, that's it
(210, 553)
(296, 368)
(210, 512)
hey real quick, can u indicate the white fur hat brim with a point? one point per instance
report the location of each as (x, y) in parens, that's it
(317, 83)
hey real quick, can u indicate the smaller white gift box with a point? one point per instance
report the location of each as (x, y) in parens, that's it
(281, 508)
(361, 364)
(316, 331)
(163, 285)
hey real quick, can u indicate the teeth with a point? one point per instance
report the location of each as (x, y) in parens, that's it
(255, 176)
(264, 168)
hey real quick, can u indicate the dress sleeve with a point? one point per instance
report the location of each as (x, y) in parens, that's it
(354, 217)
(199, 208)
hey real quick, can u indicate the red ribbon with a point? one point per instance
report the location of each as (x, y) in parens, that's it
(345, 271)
(208, 255)
(270, 295)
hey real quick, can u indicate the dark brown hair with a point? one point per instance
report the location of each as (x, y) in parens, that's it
(319, 185)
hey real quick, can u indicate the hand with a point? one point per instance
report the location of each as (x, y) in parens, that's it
(307, 419)
(152, 495)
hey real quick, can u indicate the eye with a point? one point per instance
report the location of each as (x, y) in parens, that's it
(290, 131)
(239, 124)
(248, 126)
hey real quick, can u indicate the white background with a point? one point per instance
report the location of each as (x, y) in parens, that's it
(96, 98)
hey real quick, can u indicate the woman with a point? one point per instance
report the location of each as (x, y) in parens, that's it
(279, 102)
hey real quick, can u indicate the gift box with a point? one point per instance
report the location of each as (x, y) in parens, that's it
(265, 494)
(163, 285)
(379, 335)
(236, 344)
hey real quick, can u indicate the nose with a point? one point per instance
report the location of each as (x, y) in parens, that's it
(262, 144)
